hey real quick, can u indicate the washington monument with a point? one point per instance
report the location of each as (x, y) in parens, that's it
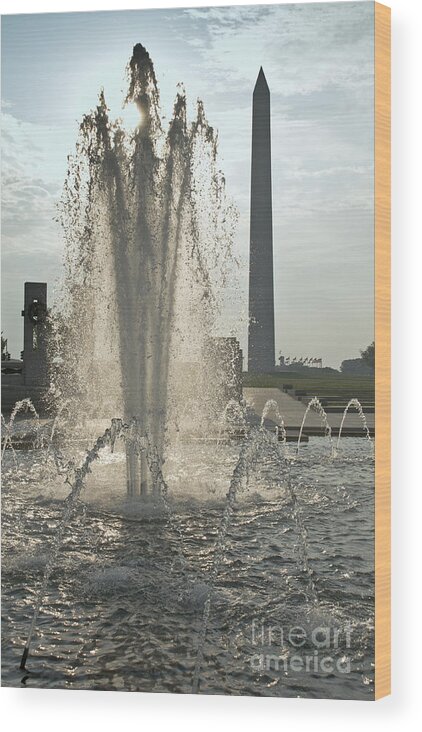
(261, 347)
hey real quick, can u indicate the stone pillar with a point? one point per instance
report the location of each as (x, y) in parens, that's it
(34, 334)
(261, 345)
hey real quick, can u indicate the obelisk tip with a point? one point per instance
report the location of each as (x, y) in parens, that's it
(261, 82)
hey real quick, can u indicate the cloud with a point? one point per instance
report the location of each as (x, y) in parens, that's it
(326, 172)
(318, 59)
(303, 48)
(30, 191)
(31, 238)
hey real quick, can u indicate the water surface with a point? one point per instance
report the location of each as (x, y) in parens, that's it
(124, 612)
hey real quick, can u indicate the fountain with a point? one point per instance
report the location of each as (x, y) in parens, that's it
(148, 237)
(355, 403)
(177, 544)
(317, 406)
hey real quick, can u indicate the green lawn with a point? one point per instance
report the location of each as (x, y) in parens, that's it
(344, 386)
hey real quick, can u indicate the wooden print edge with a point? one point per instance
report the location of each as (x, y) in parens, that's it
(382, 29)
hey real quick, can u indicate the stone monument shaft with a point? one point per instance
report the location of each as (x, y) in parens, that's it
(261, 346)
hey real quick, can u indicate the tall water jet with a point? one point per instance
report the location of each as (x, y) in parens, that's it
(148, 234)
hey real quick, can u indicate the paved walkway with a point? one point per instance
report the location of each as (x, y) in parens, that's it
(292, 410)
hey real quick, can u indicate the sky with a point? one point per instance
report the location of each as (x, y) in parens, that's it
(318, 61)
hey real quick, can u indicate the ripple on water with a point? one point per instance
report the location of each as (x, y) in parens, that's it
(123, 609)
